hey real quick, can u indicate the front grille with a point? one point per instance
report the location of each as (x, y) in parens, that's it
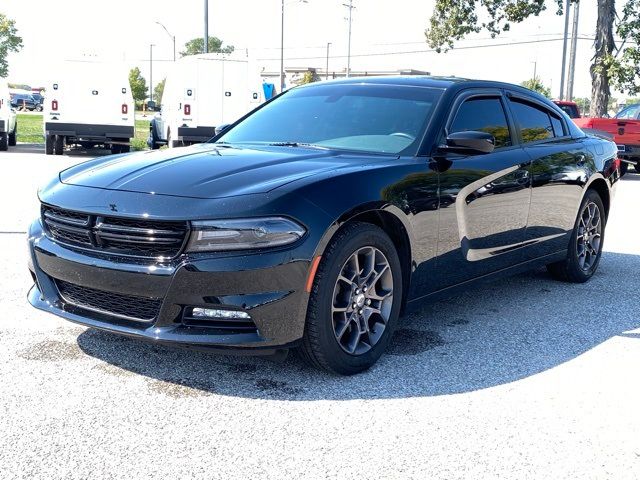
(115, 235)
(128, 306)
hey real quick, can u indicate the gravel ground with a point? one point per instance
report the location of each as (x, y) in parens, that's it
(526, 378)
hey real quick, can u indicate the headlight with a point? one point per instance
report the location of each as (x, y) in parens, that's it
(220, 235)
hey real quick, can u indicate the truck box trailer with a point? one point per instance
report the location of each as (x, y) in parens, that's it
(201, 93)
(88, 104)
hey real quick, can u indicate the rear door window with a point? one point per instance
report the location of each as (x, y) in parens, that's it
(483, 114)
(534, 122)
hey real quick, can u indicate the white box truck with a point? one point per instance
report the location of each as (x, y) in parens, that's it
(88, 104)
(8, 121)
(201, 93)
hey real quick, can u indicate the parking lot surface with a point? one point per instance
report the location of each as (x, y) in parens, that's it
(523, 378)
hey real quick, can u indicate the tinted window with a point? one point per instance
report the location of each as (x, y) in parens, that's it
(483, 115)
(558, 128)
(630, 112)
(371, 118)
(534, 122)
(570, 110)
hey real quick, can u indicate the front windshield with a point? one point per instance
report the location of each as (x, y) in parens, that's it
(372, 118)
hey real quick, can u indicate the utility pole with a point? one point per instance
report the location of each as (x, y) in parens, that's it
(282, 50)
(350, 7)
(567, 8)
(327, 71)
(535, 69)
(206, 26)
(151, 72)
(572, 54)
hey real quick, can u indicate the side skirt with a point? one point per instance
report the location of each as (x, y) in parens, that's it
(417, 303)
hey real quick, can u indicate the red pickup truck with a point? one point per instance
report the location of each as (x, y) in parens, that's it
(624, 128)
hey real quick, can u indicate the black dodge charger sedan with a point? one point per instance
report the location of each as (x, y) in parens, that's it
(316, 220)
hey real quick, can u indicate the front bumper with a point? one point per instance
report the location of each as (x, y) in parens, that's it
(268, 286)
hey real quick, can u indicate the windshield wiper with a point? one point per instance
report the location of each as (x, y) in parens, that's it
(295, 144)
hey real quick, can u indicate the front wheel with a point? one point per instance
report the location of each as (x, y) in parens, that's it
(4, 142)
(355, 301)
(585, 247)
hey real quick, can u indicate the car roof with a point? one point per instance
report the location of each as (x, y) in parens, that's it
(445, 83)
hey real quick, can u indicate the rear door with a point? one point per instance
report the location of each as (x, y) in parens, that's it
(207, 106)
(559, 171)
(484, 198)
(235, 102)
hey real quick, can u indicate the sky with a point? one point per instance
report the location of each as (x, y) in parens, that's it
(385, 36)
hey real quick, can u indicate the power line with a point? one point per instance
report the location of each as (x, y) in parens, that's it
(430, 50)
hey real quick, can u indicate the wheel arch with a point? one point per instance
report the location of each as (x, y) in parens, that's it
(393, 222)
(599, 184)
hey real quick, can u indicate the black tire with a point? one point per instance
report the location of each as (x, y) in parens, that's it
(4, 142)
(569, 269)
(115, 149)
(13, 136)
(48, 144)
(125, 148)
(637, 167)
(58, 145)
(320, 345)
(624, 166)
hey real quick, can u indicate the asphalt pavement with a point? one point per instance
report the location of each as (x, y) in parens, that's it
(525, 378)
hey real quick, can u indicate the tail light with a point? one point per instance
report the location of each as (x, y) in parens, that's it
(125, 109)
(187, 109)
(54, 105)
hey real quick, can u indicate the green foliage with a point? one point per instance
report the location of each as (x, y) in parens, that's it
(308, 77)
(584, 104)
(455, 19)
(9, 42)
(138, 85)
(623, 65)
(196, 46)
(158, 91)
(536, 85)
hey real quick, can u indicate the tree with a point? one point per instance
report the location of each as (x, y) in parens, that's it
(196, 46)
(536, 85)
(9, 42)
(138, 85)
(158, 91)
(617, 65)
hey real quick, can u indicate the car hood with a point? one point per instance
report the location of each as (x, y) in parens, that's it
(207, 170)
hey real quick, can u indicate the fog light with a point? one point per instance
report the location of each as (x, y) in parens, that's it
(198, 312)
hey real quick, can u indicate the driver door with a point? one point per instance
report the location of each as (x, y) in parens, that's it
(484, 198)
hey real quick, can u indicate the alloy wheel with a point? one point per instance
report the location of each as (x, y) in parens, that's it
(589, 236)
(362, 300)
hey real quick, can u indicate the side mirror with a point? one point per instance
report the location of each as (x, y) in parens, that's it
(472, 141)
(222, 128)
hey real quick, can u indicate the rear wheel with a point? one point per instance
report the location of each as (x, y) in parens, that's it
(13, 136)
(58, 145)
(4, 142)
(355, 301)
(637, 167)
(585, 247)
(48, 144)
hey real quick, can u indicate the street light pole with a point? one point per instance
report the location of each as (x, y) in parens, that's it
(151, 72)
(206, 26)
(327, 71)
(173, 37)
